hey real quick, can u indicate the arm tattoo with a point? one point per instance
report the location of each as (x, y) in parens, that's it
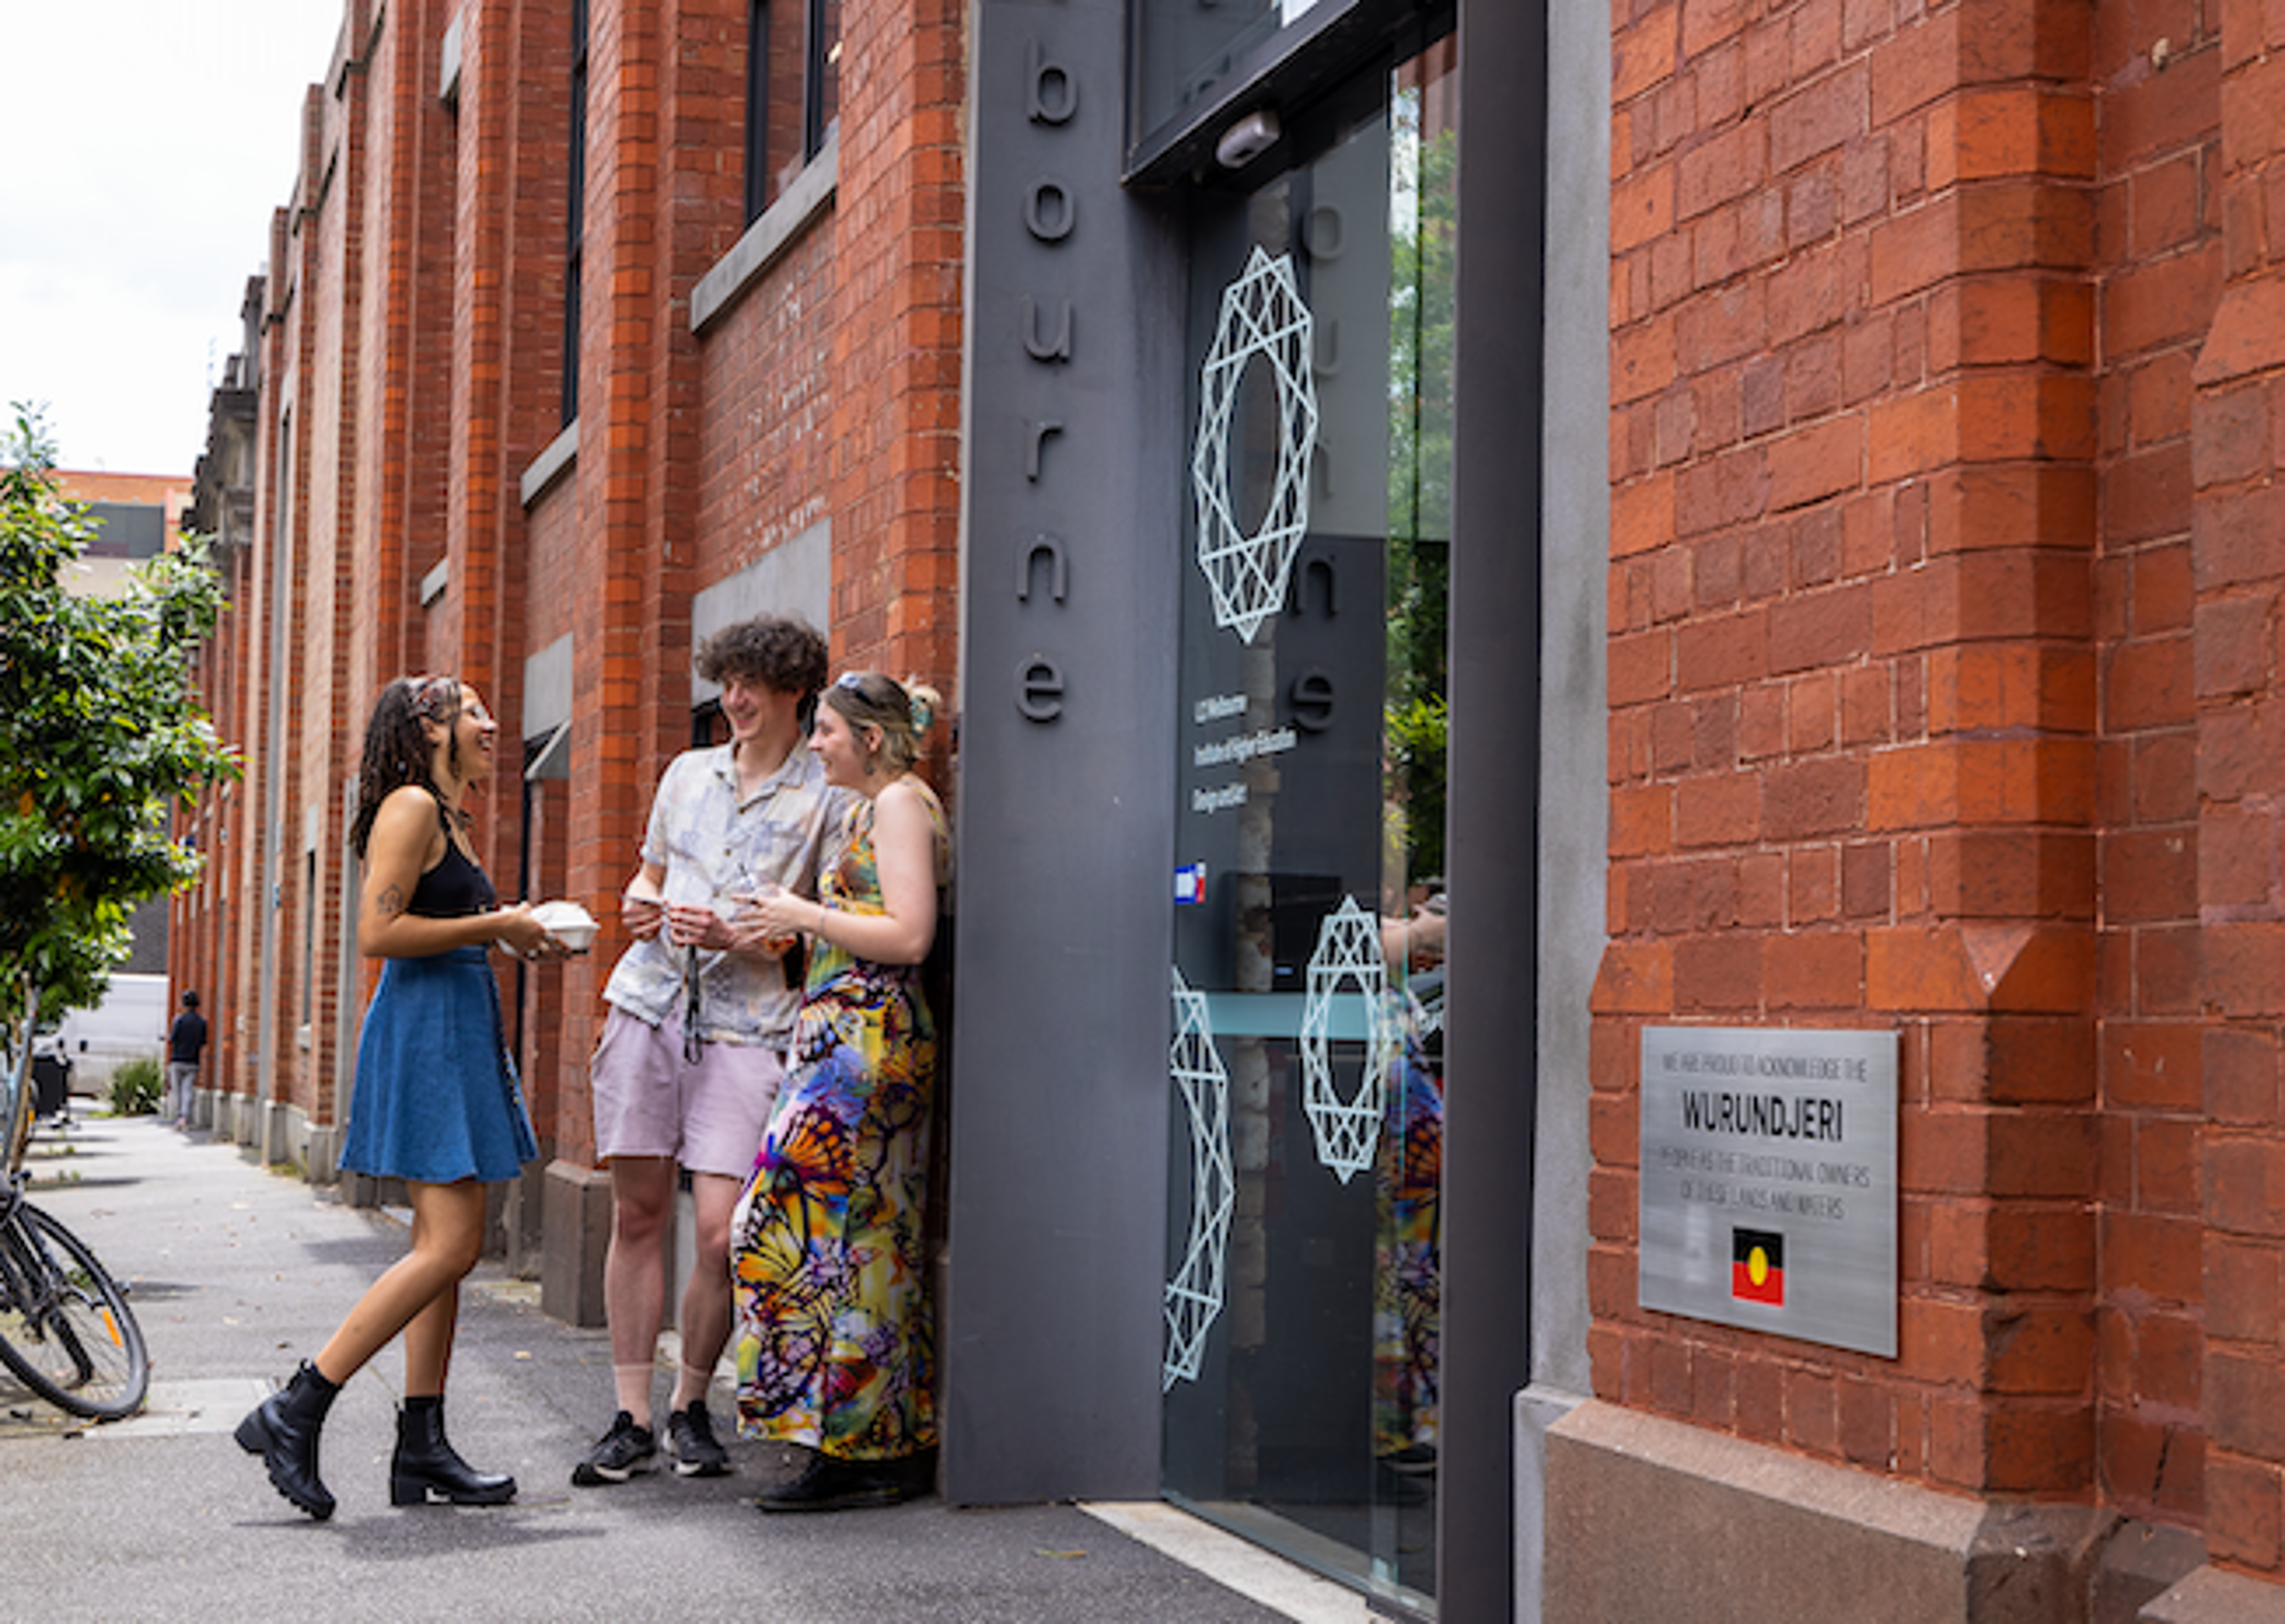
(390, 902)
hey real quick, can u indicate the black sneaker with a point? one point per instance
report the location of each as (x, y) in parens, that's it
(617, 1455)
(690, 1440)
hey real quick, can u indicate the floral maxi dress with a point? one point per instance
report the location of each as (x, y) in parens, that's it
(834, 1342)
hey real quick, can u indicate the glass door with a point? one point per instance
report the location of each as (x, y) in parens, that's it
(1303, 1278)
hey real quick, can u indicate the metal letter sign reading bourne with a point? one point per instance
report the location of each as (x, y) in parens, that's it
(1768, 1181)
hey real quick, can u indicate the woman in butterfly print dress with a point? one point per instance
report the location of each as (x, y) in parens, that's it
(834, 1338)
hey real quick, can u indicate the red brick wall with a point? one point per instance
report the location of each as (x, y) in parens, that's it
(239, 1063)
(512, 128)
(339, 393)
(637, 594)
(562, 1007)
(1903, 303)
(664, 201)
(512, 133)
(896, 352)
(766, 378)
(417, 345)
(359, 369)
(2154, 73)
(406, 342)
(314, 498)
(556, 1049)
(447, 359)
(206, 920)
(2237, 444)
(374, 378)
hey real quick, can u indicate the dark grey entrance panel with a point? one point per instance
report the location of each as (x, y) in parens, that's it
(1070, 558)
(1492, 1102)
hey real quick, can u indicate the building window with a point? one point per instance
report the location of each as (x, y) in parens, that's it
(127, 530)
(707, 727)
(309, 936)
(575, 229)
(793, 92)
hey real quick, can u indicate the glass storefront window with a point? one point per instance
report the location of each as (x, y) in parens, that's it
(1304, 1275)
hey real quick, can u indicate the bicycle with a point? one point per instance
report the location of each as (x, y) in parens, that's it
(66, 1330)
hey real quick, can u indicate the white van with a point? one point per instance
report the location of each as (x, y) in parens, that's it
(131, 1020)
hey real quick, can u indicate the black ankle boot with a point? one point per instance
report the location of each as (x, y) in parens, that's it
(426, 1469)
(833, 1485)
(283, 1431)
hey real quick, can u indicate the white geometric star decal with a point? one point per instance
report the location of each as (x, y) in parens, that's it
(1348, 952)
(1194, 1296)
(1261, 315)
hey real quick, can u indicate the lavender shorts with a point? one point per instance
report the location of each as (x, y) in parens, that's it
(651, 1101)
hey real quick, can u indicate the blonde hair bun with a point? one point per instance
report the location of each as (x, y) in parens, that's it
(925, 702)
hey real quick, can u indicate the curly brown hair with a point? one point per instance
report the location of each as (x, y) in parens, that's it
(396, 746)
(774, 650)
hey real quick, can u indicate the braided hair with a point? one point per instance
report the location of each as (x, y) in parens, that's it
(396, 748)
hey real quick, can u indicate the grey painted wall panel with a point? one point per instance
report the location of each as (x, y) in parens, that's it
(547, 689)
(1574, 541)
(795, 577)
(1573, 840)
(1492, 1090)
(1058, 1219)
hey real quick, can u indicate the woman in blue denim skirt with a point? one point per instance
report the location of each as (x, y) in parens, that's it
(436, 1101)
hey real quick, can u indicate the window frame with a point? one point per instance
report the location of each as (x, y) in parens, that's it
(575, 227)
(819, 85)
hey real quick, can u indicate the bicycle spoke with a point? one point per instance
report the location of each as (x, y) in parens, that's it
(66, 1330)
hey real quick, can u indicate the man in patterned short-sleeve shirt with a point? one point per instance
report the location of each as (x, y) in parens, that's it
(701, 1006)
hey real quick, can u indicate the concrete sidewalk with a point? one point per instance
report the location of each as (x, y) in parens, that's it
(237, 1273)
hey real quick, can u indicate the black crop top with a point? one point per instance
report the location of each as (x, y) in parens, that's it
(454, 889)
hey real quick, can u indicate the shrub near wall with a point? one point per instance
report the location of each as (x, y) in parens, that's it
(136, 1085)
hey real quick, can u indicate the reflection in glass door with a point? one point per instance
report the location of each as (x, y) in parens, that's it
(1303, 1275)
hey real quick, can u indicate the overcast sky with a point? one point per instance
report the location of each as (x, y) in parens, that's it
(143, 145)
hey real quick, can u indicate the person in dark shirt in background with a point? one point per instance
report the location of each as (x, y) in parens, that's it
(187, 1040)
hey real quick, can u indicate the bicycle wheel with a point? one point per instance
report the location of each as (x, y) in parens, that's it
(69, 1335)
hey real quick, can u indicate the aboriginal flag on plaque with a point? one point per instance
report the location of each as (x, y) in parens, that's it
(1757, 1266)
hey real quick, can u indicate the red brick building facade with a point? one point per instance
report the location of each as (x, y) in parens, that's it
(1946, 396)
(1946, 349)
(421, 498)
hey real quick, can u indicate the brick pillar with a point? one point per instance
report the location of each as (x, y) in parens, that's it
(2239, 434)
(305, 474)
(2156, 285)
(1854, 685)
(897, 248)
(627, 700)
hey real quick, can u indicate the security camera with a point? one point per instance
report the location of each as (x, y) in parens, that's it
(1247, 140)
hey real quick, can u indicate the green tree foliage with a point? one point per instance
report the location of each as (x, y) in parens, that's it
(101, 734)
(1423, 250)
